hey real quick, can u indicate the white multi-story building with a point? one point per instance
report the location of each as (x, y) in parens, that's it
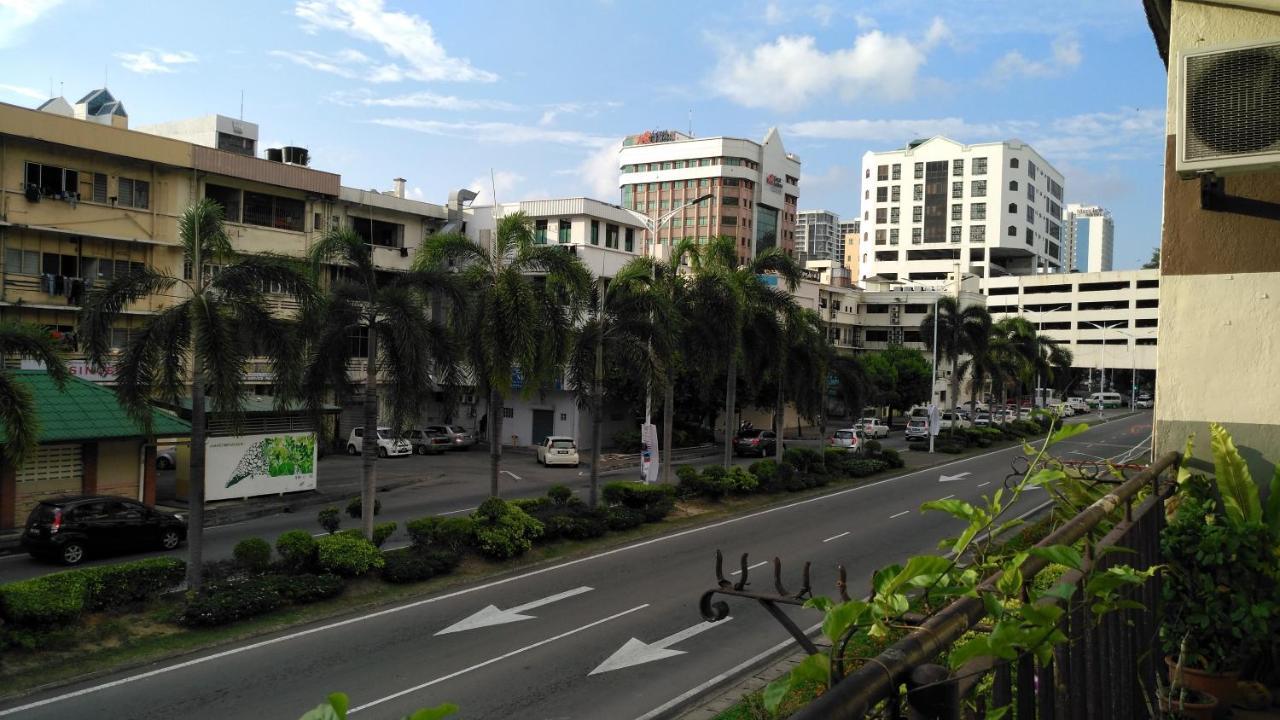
(753, 188)
(818, 235)
(989, 209)
(215, 131)
(1090, 238)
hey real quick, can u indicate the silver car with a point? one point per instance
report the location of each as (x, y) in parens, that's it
(460, 437)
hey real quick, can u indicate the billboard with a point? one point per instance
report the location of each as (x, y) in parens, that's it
(252, 465)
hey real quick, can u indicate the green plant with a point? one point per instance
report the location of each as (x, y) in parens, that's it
(382, 531)
(329, 519)
(253, 554)
(561, 494)
(455, 534)
(306, 588)
(113, 587)
(892, 458)
(60, 598)
(864, 468)
(335, 708)
(740, 481)
(503, 530)
(873, 447)
(411, 564)
(766, 472)
(44, 601)
(225, 602)
(654, 501)
(583, 526)
(623, 518)
(354, 507)
(347, 556)
(297, 550)
(805, 460)
(627, 441)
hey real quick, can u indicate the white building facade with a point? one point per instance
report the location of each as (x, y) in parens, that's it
(1090, 238)
(818, 236)
(987, 209)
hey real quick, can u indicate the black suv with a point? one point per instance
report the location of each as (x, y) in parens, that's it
(68, 529)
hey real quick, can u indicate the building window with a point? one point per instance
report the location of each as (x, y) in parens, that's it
(1013, 162)
(508, 412)
(539, 232)
(611, 236)
(1013, 185)
(882, 215)
(21, 262)
(134, 193)
(880, 236)
(955, 233)
(978, 211)
(916, 235)
(1031, 192)
(275, 212)
(377, 232)
(918, 194)
(1031, 214)
(897, 171)
(1013, 231)
(957, 189)
(866, 195)
(1031, 170)
(1031, 237)
(980, 166)
(99, 188)
(630, 240)
(882, 194)
(893, 236)
(977, 233)
(917, 213)
(978, 188)
(882, 172)
(919, 172)
(957, 211)
(895, 195)
(228, 198)
(957, 168)
(52, 181)
(893, 216)
(566, 231)
(1013, 208)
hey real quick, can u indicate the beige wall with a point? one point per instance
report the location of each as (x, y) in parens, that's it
(118, 466)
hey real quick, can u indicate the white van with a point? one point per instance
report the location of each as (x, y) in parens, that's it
(1105, 400)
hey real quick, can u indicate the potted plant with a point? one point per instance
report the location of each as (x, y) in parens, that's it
(1221, 590)
(1179, 701)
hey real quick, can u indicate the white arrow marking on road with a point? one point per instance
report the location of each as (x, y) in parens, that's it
(517, 477)
(635, 652)
(491, 615)
(951, 478)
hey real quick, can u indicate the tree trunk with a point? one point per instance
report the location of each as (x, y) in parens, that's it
(369, 448)
(495, 440)
(597, 390)
(730, 404)
(195, 489)
(668, 420)
(779, 410)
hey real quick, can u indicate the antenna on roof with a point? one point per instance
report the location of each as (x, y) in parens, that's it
(691, 123)
(241, 103)
(494, 186)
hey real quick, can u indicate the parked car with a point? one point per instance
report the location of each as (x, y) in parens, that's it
(917, 429)
(755, 442)
(166, 457)
(1024, 413)
(429, 442)
(1106, 400)
(950, 419)
(1144, 401)
(72, 528)
(558, 450)
(983, 419)
(460, 438)
(849, 439)
(388, 444)
(1078, 404)
(873, 427)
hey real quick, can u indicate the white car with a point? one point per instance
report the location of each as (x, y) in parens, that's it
(848, 439)
(558, 450)
(950, 419)
(1078, 404)
(873, 427)
(1144, 401)
(1063, 410)
(388, 444)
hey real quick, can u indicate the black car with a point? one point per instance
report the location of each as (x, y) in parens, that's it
(68, 529)
(755, 442)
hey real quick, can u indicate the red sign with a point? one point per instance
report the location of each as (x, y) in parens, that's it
(774, 181)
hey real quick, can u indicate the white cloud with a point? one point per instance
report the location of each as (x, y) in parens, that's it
(823, 13)
(344, 63)
(773, 14)
(25, 92)
(16, 15)
(599, 172)
(899, 131)
(792, 70)
(865, 22)
(505, 182)
(577, 109)
(407, 37)
(150, 62)
(1013, 64)
(497, 132)
(423, 99)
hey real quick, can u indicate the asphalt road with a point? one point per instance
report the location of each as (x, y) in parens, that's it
(613, 635)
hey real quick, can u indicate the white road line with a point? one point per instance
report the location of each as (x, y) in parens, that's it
(904, 512)
(491, 661)
(948, 497)
(984, 484)
(15, 557)
(508, 472)
(750, 567)
(486, 586)
(455, 512)
(837, 537)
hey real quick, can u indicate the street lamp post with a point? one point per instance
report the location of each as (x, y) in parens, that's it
(1102, 361)
(1039, 332)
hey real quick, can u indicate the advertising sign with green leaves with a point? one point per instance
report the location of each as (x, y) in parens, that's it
(251, 465)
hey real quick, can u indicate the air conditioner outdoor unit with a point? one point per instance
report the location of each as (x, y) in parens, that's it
(1228, 109)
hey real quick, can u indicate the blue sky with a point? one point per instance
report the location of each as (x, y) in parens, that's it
(536, 94)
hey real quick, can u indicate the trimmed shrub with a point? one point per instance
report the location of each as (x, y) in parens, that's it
(116, 586)
(502, 530)
(222, 603)
(655, 502)
(891, 458)
(713, 482)
(253, 554)
(766, 472)
(297, 550)
(805, 460)
(382, 531)
(44, 601)
(788, 478)
(450, 533)
(330, 520)
(582, 526)
(561, 494)
(348, 556)
(951, 448)
(356, 506)
(863, 468)
(740, 481)
(307, 588)
(918, 445)
(408, 565)
(873, 447)
(623, 518)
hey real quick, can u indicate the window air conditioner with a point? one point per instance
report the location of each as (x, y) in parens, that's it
(1228, 110)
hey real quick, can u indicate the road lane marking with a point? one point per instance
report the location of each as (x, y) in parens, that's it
(750, 567)
(508, 472)
(953, 478)
(984, 484)
(491, 615)
(455, 512)
(837, 537)
(491, 661)
(904, 512)
(948, 497)
(637, 652)
(495, 583)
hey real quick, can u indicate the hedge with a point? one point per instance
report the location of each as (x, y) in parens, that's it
(297, 550)
(655, 502)
(347, 556)
(62, 597)
(253, 554)
(407, 565)
(503, 530)
(450, 533)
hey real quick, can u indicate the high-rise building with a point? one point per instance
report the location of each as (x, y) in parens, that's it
(850, 236)
(818, 235)
(753, 188)
(937, 205)
(1090, 238)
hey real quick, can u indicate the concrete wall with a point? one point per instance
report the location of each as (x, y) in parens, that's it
(118, 467)
(1220, 285)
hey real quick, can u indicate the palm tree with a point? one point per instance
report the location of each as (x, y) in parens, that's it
(960, 329)
(1022, 356)
(522, 302)
(620, 335)
(729, 293)
(390, 313)
(985, 363)
(204, 340)
(18, 416)
(801, 366)
(674, 294)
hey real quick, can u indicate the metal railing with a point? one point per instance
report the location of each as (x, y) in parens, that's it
(1105, 670)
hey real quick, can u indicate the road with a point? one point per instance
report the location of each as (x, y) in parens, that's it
(612, 635)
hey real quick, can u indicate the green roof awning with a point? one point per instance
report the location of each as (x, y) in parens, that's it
(87, 411)
(255, 404)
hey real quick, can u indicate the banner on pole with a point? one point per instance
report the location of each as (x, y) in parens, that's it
(649, 454)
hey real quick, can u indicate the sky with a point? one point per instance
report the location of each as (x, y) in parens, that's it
(530, 99)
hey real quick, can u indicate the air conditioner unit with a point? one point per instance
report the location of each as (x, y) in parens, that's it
(1228, 110)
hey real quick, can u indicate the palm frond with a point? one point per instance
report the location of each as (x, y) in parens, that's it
(442, 249)
(153, 365)
(19, 420)
(223, 353)
(33, 342)
(203, 219)
(103, 305)
(344, 246)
